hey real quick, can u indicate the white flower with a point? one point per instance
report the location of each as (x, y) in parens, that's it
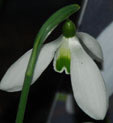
(69, 56)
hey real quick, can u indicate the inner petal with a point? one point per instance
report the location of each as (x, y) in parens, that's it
(62, 58)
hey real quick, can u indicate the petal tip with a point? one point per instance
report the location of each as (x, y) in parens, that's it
(98, 111)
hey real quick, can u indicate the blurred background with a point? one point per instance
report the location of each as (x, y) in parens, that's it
(20, 21)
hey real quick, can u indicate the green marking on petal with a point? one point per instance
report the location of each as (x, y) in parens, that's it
(62, 59)
(63, 63)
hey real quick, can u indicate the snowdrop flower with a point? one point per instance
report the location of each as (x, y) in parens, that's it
(69, 55)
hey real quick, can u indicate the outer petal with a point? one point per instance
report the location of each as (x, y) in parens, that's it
(14, 77)
(91, 45)
(87, 83)
(106, 41)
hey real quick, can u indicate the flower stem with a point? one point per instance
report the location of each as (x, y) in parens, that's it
(23, 100)
(45, 30)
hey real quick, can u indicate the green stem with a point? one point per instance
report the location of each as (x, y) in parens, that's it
(23, 100)
(45, 30)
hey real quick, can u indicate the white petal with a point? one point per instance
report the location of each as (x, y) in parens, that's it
(14, 77)
(87, 83)
(106, 41)
(91, 45)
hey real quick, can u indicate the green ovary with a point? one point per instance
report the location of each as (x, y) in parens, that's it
(63, 60)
